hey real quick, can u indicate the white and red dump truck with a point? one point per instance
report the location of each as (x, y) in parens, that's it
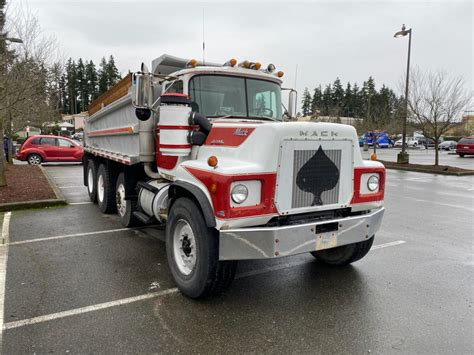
(205, 150)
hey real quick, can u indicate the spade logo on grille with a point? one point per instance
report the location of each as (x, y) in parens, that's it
(317, 175)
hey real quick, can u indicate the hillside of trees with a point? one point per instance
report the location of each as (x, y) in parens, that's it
(81, 82)
(377, 108)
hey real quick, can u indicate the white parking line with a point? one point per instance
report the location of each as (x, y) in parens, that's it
(72, 235)
(3, 267)
(100, 306)
(70, 187)
(66, 176)
(80, 203)
(82, 310)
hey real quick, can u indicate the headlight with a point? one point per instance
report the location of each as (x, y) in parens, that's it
(239, 193)
(373, 183)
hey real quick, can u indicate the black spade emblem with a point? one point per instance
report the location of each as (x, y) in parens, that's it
(317, 175)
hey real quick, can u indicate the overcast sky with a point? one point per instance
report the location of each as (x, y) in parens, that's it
(349, 40)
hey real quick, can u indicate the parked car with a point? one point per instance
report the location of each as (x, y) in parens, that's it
(38, 149)
(447, 145)
(384, 141)
(426, 142)
(410, 142)
(79, 136)
(465, 146)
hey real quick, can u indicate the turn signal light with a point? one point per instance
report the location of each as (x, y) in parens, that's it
(192, 63)
(212, 161)
(280, 74)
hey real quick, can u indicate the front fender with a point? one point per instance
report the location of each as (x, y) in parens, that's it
(182, 188)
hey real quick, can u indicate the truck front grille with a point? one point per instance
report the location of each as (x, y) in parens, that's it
(315, 177)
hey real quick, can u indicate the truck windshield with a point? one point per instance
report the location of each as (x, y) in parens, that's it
(230, 96)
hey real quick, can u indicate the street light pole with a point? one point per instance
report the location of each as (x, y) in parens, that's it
(403, 156)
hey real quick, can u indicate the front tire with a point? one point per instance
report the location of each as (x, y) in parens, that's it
(105, 190)
(34, 159)
(193, 252)
(461, 155)
(344, 255)
(125, 208)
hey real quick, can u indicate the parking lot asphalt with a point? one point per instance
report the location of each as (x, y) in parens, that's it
(424, 156)
(77, 282)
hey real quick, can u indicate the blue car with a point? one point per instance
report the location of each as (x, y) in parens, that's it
(383, 140)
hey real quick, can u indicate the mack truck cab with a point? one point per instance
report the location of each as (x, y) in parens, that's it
(209, 151)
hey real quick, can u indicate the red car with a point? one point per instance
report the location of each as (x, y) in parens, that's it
(465, 146)
(39, 149)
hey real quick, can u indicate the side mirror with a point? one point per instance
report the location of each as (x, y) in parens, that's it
(292, 97)
(142, 90)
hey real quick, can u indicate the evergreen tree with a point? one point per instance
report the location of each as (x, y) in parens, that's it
(81, 85)
(72, 86)
(347, 107)
(317, 100)
(113, 75)
(357, 101)
(337, 98)
(326, 101)
(91, 81)
(103, 79)
(306, 103)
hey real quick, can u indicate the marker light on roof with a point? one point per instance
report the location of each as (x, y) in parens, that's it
(255, 66)
(270, 68)
(191, 63)
(280, 74)
(244, 64)
(231, 63)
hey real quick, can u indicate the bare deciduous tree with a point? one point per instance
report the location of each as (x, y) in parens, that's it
(27, 88)
(436, 101)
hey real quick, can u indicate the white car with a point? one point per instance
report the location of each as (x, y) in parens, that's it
(410, 142)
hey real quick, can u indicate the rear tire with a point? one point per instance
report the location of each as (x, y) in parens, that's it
(34, 159)
(91, 181)
(461, 155)
(105, 190)
(125, 208)
(344, 255)
(193, 252)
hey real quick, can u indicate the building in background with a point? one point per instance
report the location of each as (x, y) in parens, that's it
(76, 119)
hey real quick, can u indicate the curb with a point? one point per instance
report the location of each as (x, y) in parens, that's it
(60, 200)
(57, 191)
(396, 166)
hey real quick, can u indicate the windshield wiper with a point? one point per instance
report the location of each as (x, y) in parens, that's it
(227, 116)
(264, 118)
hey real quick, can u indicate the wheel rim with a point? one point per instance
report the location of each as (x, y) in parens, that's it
(120, 199)
(35, 160)
(184, 247)
(90, 180)
(100, 188)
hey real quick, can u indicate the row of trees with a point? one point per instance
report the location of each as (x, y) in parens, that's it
(81, 82)
(377, 108)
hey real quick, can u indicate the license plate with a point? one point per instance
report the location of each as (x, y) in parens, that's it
(326, 241)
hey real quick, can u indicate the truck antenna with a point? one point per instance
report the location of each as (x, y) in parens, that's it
(203, 41)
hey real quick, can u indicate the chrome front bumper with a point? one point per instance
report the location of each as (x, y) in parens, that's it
(274, 242)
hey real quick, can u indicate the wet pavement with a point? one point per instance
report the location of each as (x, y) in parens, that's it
(424, 156)
(77, 282)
